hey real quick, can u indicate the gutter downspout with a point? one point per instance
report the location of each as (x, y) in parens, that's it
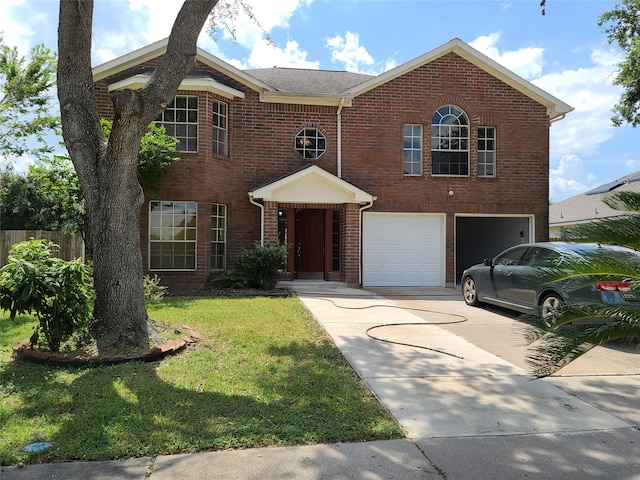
(261, 207)
(362, 209)
(557, 119)
(339, 134)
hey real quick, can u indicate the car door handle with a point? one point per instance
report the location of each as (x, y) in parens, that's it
(508, 274)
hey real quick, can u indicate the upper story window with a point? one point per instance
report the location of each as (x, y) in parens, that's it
(310, 143)
(486, 152)
(180, 119)
(449, 142)
(172, 235)
(220, 130)
(412, 147)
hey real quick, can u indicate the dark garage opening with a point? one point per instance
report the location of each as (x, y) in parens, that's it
(478, 238)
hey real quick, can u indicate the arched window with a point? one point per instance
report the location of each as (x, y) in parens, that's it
(449, 142)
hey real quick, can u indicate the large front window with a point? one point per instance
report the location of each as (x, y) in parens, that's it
(220, 128)
(449, 142)
(180, 120)
(172, 235)
(218, 236)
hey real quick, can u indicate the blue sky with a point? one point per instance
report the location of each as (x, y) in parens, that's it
(563, 52)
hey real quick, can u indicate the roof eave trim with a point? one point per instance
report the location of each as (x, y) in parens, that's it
(131, 59)
(306, 99)
(154, 50)
(198, 84)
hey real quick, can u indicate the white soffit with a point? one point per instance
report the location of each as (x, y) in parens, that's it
(197, 84)
(311, 185)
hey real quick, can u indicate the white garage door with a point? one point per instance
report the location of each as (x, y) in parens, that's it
(402, 250)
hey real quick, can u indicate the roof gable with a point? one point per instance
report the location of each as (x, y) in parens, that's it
(159, 48)
(556, 108)
(311, 185)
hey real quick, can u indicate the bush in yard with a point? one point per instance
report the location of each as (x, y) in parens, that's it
(153, 291)
(257, 267)
(58, 292)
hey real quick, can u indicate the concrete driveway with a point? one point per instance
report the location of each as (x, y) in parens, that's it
(455, 378)
(607, 376)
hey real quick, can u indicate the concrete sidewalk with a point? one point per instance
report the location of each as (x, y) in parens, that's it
(468, 412)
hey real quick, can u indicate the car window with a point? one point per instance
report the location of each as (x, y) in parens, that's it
(541, 257)
(511, 257)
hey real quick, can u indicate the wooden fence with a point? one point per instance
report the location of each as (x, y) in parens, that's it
(71, 246)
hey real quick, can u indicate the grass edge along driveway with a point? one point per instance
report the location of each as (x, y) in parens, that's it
(263, 374)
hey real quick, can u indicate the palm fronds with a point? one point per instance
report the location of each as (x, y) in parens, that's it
(574, 330)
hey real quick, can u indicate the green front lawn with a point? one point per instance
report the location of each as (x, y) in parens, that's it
(263, 374)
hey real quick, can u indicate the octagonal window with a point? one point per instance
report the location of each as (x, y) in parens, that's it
(310, 143)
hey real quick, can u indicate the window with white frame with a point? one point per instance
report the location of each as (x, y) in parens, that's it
(218, 236)
(172, 235)
(310, 143)
(220, 130)
(449, 142)
(412, 147)
(486, 152)
(180, 120)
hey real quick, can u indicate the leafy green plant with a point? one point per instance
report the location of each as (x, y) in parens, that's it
(58, 292)
(153, 291)
(257, 267)
(157, 153)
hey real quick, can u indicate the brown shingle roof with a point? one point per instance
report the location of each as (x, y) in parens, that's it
(305, 81)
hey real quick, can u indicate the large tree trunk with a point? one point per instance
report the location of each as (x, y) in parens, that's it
(108, 171)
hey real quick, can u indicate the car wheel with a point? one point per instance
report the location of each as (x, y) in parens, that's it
(549, 305)
(470, 292)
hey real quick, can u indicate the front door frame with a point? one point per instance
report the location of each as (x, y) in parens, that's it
(293, 237)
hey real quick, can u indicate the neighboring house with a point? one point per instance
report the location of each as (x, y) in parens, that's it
(400, 179)
(588, 206)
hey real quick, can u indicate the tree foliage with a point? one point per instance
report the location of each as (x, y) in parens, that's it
(157, 153)
(622, 26)
(47, 197)
(26, 100)
(577, 328)
(58, 292)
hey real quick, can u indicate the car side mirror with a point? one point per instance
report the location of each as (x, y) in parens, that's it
(488, 262)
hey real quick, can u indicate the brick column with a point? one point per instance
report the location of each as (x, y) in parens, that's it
(270, 222)
(351, 261)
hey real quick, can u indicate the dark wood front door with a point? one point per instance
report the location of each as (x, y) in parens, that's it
(310, 243)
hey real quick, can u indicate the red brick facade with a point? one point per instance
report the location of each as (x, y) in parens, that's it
(261, 150)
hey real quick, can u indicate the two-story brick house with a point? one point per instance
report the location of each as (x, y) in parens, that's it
(401, 179)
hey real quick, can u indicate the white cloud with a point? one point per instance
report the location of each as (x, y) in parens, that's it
(562, 182)
(353, 56)
(590, 92)
(20, 27)
(526, 62)
(266, 55)
(269, 15)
